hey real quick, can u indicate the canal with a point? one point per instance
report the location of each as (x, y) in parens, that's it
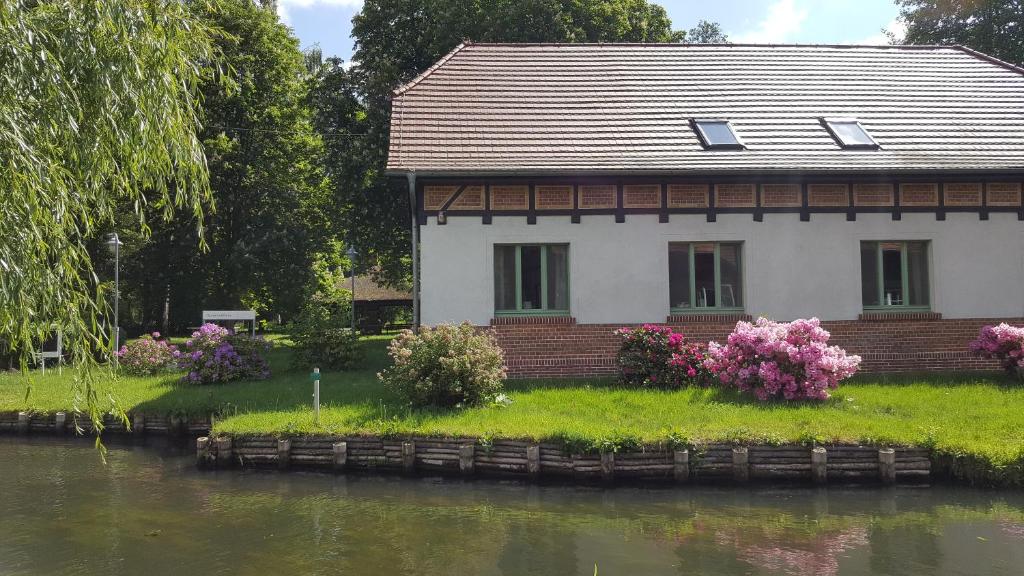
(149, 512)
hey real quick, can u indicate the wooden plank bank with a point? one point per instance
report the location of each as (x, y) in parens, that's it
(534, 461)
(141, 424)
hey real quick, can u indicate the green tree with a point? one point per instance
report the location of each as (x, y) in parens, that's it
(99, 111)
(398, 39)
(273, 209)
(995, 27)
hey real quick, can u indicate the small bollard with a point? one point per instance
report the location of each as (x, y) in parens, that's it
(533, 461)
(23, 422)
(340, 455)
(202, 451)
(887, 465)
(138, 424)
(608, 466)
(408, 456)
(224, 454)
(740, 467)
(681, 465)
(284, 453)
(60, 422)
(819, 465)
(466, 453)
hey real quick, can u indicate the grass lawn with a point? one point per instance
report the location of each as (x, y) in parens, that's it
(976, 415)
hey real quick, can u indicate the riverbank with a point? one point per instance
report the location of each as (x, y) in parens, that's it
(970, 423)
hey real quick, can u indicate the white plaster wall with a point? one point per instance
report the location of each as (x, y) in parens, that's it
(792, 269)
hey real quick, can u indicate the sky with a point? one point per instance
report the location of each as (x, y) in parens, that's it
(328, 23)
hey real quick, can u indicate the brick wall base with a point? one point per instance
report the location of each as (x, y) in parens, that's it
(552, 350)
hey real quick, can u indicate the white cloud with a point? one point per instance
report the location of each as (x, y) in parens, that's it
(896, 26)
(284, 5)
(783, 20)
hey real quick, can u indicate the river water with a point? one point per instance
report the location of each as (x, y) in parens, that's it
(149, 512)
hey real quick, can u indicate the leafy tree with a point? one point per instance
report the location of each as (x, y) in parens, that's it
(99, 112)
(398, 39)
(995, 27)
(706, 33)
(273, 210)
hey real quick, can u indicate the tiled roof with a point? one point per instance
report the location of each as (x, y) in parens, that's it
(606, 108)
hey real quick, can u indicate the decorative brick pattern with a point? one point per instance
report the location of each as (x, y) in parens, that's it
(1003, 194)
(734, 195)
(510, 197)
(828, 195)
(641, 196)
(919, 194)
(688, 196)
(472, 198)
(594, 197)
(435, 196)
(553, 197)
(780, 196)
(872, 195)
(888, 345)
(960, 194)
(511, 320)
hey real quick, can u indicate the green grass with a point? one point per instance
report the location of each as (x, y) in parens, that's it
(975, 417)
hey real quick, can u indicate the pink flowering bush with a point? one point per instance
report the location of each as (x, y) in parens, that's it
(214, 356)
(788, 359)
(147, 356)
(656, 356)
(1004, 343)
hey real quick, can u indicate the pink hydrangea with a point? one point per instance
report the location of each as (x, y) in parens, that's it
(788, 359)
(1004, 343)
(147, 356)
(657, 356)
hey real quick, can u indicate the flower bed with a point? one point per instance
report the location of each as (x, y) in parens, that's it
(657, 356)
(1004, 343)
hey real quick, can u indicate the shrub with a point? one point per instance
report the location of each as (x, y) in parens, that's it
(791, 359)
(147, 356)
(214, 356)
(657, 356)
(445, 366)
(1004, 343)
(320, 333)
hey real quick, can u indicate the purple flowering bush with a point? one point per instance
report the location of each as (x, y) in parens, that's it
(788, 359)
(657, 356)
(1004, 343)
(214, 356)
(147, 356)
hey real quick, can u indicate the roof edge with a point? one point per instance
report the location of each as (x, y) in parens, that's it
(990, 59)
(723, 45)
(701, 173)
(423, 75)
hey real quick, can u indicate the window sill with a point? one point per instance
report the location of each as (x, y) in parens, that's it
(510, 319)
(897, 315)
(720, 316)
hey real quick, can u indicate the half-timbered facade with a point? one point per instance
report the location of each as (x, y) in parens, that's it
(562, 191)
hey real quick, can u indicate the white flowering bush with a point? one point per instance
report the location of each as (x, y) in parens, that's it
(445, 366)
(788, 359)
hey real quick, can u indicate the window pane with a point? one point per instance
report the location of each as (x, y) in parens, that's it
(704, 273)
(505, 277)
(679, 275)
(869, 273)
(530, 284)
(558, 277)
(851, 134)
(729, 273)
(917, 273)
(717, 133)
(892, 273)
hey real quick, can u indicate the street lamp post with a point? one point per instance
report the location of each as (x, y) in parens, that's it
(352, 262)
(114, 242)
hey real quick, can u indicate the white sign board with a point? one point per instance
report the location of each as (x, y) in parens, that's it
(231, 316)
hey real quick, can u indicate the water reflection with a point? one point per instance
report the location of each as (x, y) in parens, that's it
(149, 512)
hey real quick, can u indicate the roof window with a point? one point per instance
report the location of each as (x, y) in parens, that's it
(848, 133)
(716, 134)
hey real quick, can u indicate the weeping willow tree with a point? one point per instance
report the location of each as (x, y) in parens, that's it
(99, 109)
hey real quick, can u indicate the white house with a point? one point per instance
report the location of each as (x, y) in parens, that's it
(562, 191)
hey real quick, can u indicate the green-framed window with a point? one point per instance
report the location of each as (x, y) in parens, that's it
(894, 275)
(531, 279)
(705, 276)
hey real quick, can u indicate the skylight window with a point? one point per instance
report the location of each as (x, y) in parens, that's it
(716, 134)
(849, 133)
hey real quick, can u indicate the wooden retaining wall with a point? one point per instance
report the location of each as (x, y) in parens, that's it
(468, 457)
(64, 423)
